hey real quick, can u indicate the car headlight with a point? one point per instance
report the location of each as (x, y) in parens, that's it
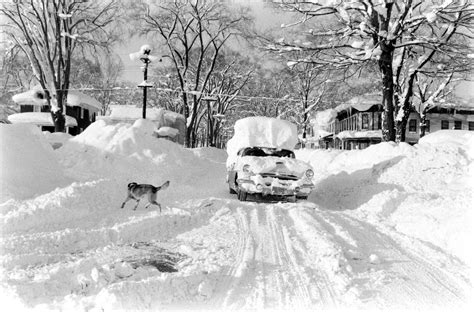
(309, 173)
(246, 168)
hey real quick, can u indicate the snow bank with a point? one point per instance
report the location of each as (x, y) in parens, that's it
(262, 132)
(28, 164)
(424, 191)
(125, 153)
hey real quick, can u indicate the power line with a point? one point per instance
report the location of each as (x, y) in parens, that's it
(206, 96)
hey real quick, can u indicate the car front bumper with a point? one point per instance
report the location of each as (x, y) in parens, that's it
(257, 184)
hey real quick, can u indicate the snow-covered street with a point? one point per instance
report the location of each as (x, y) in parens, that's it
(389, 227)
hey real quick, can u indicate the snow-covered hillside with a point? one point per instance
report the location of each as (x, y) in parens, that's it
(388, 227)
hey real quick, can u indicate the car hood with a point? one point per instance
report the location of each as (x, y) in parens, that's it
(277, 165)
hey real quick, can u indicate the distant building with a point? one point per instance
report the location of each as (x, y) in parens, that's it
(358, 123)
(81, 110)
(169, 125)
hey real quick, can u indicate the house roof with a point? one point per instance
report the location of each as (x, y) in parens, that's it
(74, 98)
(131, 112)
(461, 105)
(361, 103)
(40, 119)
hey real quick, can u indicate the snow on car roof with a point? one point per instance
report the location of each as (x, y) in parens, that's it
(262, 132)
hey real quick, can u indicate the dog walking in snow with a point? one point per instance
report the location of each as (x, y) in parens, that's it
(138, 191)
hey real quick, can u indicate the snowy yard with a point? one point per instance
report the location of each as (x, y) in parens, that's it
(388, 227)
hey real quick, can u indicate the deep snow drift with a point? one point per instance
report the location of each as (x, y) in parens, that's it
(29, 166)
(388, 227)
(425, 191)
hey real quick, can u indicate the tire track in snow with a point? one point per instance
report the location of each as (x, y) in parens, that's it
(47, 247)
(403, 278)
(273, 267)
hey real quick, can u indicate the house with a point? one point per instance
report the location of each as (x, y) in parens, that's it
(358, 123)
(441, 116)
(81, 110)
(169, 125)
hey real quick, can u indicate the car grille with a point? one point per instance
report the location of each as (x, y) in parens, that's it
(280, 176)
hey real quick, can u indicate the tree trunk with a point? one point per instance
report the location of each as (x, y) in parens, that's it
(385, 65)
(305, 118)
(422, 124)
(59, 121)
(401, 125)
(58, 117)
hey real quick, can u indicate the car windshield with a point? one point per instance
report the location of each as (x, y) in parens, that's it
(263, 152)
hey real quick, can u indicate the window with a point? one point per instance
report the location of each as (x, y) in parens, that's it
(457, 124)
(444, 124)
(365, 121)
(471, 125)
(379, 121)
(26, 108)
(412, 125)
(427, 126)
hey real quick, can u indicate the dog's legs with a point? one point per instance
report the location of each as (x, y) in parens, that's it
(154, 202)
(138, 201)
(126, 200)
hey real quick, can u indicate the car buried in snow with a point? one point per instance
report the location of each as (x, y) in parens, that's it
(261, 161)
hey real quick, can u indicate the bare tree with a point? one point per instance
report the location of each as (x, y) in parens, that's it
(386, 31)
(50, 32)
(226, 83)
(194, 33)
(310, 87)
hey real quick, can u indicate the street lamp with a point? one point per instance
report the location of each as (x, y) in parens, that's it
(144, 56)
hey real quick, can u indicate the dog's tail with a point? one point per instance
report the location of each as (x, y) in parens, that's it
(164, 186)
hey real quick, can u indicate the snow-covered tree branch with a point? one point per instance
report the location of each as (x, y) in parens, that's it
(50, 32)
(401, 36)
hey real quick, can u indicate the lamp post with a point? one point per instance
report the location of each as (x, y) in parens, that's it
(144, 56)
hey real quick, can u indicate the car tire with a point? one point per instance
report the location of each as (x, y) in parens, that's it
(242, 195)
(231, 190)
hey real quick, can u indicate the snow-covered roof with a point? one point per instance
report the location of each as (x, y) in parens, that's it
(361, 103)
(40, 119)
(461, 105)
(323, 133)
(74, 98)
(131, 112)
(359, 134)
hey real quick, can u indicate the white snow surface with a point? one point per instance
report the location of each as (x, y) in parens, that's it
(74, 98)
(131, 112)
(387, 228)
(40, 119)
(28, 165)
(167, 131)
(262, 132)
(267, 164)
